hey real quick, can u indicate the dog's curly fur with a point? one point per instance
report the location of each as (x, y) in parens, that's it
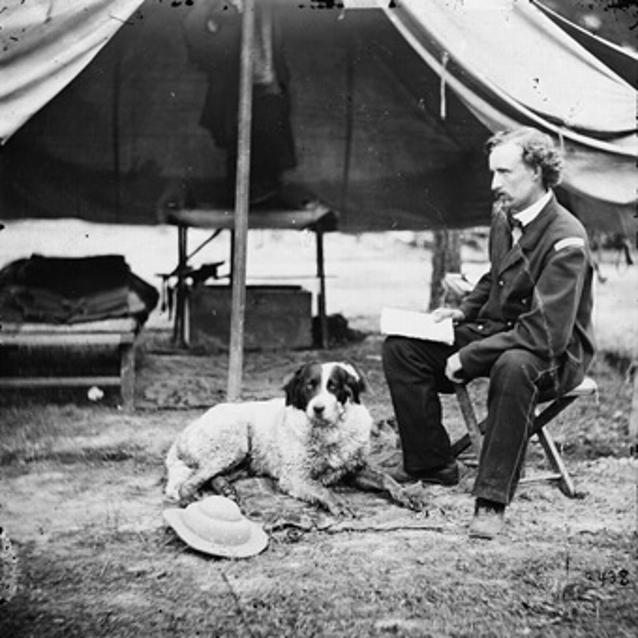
(311, 439)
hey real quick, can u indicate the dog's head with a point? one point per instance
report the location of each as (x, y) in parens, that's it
(323, 390)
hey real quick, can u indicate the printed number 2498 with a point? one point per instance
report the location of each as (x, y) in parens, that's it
(608, 576)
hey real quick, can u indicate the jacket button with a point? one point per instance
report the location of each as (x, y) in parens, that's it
(501, 283)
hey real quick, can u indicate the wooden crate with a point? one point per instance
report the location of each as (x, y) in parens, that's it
(276, 317)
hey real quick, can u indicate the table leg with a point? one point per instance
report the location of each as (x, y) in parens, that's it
(321, 297)
(179, 332)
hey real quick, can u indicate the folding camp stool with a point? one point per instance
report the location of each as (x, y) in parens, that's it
(545, 412)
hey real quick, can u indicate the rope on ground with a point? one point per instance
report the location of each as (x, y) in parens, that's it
(238, 604)
(390, 526)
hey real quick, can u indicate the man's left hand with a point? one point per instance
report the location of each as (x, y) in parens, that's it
(454, 369)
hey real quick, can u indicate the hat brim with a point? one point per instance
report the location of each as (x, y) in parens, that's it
(256, 543)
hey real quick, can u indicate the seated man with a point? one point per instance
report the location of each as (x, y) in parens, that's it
(526, 326)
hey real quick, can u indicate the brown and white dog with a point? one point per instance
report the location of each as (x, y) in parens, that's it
(313, 438)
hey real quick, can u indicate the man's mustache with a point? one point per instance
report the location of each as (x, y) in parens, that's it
(500, 202)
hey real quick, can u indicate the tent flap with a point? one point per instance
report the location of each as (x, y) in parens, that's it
(45, 45)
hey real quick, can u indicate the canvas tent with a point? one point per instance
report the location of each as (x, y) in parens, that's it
(390, 108)
(620, 59)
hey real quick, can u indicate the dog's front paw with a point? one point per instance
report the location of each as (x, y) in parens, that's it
(223, 486)
(338, 506)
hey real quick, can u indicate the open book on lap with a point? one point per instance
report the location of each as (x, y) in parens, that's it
(418, 325)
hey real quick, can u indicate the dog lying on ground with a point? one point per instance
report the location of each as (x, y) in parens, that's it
(315, 437)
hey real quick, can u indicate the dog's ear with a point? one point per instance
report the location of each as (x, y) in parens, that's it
(295, 388)
(355, 380)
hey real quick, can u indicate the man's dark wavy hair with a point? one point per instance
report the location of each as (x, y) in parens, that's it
(538, 151)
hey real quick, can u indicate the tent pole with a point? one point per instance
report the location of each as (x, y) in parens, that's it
(238, 307)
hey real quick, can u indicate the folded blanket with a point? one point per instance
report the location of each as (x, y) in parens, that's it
(73, 290)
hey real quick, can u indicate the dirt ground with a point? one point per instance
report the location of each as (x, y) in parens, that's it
(82, 502)
(81, 496)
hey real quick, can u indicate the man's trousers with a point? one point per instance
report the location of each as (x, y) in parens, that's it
(414, 370)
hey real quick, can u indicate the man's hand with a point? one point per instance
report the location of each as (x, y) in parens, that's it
(454, 369)
(443, 313)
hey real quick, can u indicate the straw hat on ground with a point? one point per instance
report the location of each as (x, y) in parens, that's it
(216, 526)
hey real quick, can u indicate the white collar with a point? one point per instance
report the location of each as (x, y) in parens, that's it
(530, 213)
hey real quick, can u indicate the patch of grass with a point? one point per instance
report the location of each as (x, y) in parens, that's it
(108, 454)
(35, 422)
(133, 585)
(598, 426)
(69, 434)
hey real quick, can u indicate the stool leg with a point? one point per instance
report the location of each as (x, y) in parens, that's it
(469, 417)
(554, 457)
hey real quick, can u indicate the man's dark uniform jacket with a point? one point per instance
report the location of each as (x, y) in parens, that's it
(536, 296)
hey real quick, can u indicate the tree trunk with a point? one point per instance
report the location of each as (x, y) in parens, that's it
(446, 258)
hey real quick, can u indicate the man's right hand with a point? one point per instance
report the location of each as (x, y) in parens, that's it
(443, 313)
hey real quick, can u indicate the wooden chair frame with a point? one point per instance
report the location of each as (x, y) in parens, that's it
(546, 412)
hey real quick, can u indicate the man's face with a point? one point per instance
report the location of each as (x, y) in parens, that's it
(514, 184)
